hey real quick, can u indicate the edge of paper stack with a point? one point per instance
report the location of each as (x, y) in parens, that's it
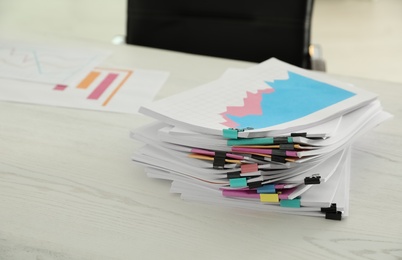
(272, 138)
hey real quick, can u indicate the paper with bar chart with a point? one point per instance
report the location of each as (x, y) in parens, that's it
(271, 96)
(46, 64)
(105, 89)
(65, 77)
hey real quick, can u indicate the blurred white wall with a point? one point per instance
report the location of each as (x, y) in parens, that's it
(361, 38)
(91, 19)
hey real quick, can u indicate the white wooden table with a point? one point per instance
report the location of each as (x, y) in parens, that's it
(68, 189)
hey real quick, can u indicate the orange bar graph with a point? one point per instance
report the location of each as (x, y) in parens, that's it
(87, 81)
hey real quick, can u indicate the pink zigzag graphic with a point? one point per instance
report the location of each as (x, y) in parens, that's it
(252, 106)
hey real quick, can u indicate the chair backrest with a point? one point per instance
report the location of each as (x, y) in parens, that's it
(252, 30)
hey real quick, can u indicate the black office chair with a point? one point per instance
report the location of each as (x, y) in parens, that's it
(252, 30)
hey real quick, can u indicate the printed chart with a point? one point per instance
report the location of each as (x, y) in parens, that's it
(99, 85)
(105, 89)
(46, 64)
(70, 77)
(284, 101)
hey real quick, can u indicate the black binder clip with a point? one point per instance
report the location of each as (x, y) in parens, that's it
(298, 134)
(254, 184)
(279, 152)
(281, 140)
(337, 215)
(314, 179)
(332, 208)
(332, 212)
(258, 157)
(287, 147)
(278, 159)
(219, 160)
(233, 175)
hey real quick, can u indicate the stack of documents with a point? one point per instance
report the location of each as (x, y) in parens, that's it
(274, 138)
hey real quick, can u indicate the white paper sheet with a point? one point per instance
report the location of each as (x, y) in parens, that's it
(116, 90)
(46, 64)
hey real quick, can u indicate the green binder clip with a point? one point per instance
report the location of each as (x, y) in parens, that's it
(233, 133)
(238, 182)
(294, 203)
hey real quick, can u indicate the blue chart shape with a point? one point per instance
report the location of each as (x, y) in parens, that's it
(293, 98)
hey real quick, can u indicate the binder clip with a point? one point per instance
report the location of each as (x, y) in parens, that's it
(238, 182)
(278, 159)
(254, 184)
(258, 157)
(294, 203)
(283, 140)
(298, 134)
(267, 188)
(233, 175)
(279, 152)
(332, 212)
(249, 167)
(219, 160)
(287, 147)
(314, 179)
(232, 133)
(334, 215)
(332, 208)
